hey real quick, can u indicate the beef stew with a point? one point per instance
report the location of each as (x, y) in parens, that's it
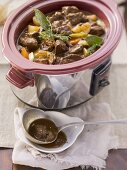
(61, 37)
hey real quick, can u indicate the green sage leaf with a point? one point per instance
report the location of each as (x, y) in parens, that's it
(61, 37)
(42, 19)
(92, 49)
(94, 40)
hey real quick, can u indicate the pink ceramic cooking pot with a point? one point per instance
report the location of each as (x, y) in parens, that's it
(22, 71)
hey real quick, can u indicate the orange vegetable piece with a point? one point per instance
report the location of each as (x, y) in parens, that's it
(24, 53)
(74, 41)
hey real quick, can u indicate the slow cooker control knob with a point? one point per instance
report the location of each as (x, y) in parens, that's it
(99, 78)
(104, 82)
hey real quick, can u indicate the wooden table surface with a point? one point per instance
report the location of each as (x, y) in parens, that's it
(117, 160)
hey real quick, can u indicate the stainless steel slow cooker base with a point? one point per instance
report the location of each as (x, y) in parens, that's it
(83, 86)
(54, 109)
(78, 94)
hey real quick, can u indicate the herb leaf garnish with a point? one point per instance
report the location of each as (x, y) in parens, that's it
(42, 19)
(92, 49)
(94, 40)
(47, 27)
(61, 37)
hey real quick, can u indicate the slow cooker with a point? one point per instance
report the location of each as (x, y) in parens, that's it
(73, 83)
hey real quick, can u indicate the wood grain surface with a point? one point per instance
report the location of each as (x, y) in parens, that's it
(117, 160)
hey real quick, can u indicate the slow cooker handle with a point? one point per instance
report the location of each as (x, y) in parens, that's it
(19, 79)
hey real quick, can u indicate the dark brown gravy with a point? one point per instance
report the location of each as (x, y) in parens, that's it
(60, 141)
(45, 130)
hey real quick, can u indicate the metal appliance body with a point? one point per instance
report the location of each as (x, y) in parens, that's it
(87, 76)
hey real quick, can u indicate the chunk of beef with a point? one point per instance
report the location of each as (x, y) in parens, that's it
(56, 16)
(47, 45)
(37, 37)
(58, 59)
(97, 30)
(67, 22)
(28, 41)
(56, 24)
(59, 15)
(62, 27)
(69, 9)
(41, 60)
(71, 58)
(64, 30)
(76, 18)
(67, 60)
(77, 49)
(60, 47)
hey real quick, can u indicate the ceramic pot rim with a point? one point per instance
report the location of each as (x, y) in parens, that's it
(14, 57)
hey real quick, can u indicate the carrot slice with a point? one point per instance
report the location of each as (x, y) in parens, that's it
(74, 41)
(24, 53)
